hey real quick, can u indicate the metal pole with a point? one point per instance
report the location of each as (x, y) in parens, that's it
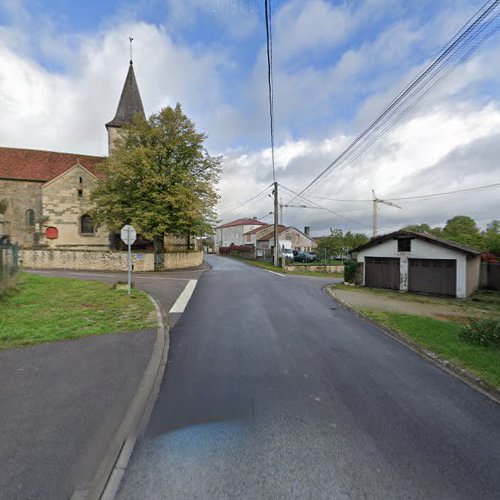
(276, 232)
(129, 264)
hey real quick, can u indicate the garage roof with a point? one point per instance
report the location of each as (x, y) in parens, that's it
(420, 236)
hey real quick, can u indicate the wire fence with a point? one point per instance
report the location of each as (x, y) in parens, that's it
(9, 264)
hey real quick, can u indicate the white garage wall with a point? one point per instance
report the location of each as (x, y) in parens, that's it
(419, 250)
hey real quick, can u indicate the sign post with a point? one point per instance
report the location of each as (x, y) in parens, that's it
(128, 235)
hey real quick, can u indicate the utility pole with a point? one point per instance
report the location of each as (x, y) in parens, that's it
(281, 211)
(276, 231)
(375, 207)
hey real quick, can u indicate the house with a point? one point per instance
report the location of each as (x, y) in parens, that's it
(419, 262)
(289, 237)
(232, 232)
(47, 193)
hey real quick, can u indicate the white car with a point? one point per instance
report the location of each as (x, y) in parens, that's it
(287, 253)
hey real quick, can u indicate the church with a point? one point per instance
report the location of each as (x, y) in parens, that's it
(45, 195)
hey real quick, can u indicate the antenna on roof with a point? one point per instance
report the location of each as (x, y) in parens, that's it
(131, 40)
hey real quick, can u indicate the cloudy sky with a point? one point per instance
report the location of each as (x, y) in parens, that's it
(337, 64)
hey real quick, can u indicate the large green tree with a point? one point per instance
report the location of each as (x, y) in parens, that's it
(338, 243)
(159, 178)
(492, 237)
(463, 229)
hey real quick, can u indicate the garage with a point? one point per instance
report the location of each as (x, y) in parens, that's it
(437, 276)
(418, 262)
(382, 272)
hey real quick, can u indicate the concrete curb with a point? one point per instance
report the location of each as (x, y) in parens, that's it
(464, 375)
(108, 477)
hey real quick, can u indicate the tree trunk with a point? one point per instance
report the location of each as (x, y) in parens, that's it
(158, 248)
(189, 242)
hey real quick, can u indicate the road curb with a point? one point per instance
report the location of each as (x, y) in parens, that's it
(108, 477)
(461, 373)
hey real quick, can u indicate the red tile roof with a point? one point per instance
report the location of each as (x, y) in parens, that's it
(258, 229)
(34, 165)
(242, 222)
(269, 235)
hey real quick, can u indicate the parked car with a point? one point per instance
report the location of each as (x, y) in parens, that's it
(287, 253)
(305, 257)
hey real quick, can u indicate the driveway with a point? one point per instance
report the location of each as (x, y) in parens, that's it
(272, 390)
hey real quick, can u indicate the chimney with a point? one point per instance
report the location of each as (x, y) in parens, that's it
(307, 230)
(254, 218)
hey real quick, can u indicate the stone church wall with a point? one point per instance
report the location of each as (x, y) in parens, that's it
(65, 200)
(21, 196)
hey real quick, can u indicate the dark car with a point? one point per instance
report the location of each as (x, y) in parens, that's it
(305, 257)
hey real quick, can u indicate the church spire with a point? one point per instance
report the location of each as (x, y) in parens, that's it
(130, 104)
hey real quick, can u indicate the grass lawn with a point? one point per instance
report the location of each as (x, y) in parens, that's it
(442, 337)
(270, 267)
(42, 309)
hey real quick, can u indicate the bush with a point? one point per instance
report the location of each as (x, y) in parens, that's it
(485, 332)
(350, 270)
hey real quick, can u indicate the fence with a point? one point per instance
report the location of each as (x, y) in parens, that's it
(490, 275)
(9, 264)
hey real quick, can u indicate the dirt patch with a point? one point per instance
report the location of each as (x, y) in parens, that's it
(378, 301)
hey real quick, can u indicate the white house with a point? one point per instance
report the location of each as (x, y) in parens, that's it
(418, 262)
(232, 232)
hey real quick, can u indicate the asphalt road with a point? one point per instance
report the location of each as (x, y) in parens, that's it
(273, 390)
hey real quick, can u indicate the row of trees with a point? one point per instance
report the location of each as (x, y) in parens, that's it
(463, 229)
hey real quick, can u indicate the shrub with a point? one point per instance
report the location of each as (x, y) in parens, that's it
(485, 332)
(350, 270)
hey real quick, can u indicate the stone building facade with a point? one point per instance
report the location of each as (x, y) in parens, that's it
(45, 195)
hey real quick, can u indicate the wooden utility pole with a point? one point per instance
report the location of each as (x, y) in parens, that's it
(375, 208)
(276, 229)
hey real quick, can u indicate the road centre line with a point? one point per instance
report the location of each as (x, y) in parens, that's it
(183, 299)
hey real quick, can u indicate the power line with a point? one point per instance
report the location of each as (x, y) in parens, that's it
(324, 208)
(269, 46)
(455, 53)
(247, 201)
(417, 197)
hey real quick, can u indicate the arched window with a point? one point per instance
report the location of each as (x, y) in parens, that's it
(86, 224)
(30, 217)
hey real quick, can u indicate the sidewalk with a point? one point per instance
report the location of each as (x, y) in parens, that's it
(60, 406)
(62, 403)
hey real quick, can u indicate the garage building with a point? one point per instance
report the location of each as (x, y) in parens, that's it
(419, 262)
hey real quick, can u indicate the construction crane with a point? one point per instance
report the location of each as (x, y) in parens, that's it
(375, 207)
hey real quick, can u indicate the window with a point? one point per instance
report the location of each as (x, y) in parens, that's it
(86, 225)
(30, 217)
(404, 245)
(80, 180)
(80, 193)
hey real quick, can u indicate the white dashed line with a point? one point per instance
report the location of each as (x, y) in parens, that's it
(273, 272)
(182, 301)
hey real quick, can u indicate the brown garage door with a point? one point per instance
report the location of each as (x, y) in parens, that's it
(382, 272)
(437, 276)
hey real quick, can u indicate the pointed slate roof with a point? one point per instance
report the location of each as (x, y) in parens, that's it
(130, 101)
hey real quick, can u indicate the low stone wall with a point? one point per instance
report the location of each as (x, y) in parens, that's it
(322, 269)
(182, 260)
(86, 260)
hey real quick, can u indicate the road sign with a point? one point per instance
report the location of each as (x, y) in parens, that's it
(128, 234)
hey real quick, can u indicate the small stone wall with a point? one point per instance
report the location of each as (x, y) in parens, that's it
(322, 269)
(183, 260)
(86, 260)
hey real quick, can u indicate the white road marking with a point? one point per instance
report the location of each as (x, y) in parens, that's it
(274, 272)
(182, 301)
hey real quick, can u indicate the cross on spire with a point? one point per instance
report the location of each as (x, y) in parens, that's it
(131, 40)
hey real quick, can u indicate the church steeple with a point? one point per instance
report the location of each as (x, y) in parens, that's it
(130, 104)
